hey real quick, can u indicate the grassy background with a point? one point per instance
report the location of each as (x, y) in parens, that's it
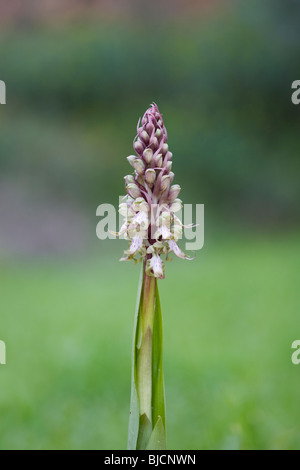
(230, 318)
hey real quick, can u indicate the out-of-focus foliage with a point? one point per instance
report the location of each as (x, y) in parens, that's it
(74, 94)
(222, 82)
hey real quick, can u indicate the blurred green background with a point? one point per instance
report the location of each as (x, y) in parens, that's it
(79, 74)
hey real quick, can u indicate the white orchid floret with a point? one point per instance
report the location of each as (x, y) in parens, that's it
(157, 247)
(139, 225)
(126, 211)
(141, 219)
(163, 226)
(176, 232)
(140, 205)
(177, 251)
(134, 231)
(166, 218)
(176, 206)
(150, 250)
(163, 218)
(123, 231)
(155, 267)
(177, 221)
(123, 209)
(164, 232)
(136, 247)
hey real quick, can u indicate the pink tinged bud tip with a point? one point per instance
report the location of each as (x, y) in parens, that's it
(145, 137)
(131, 159)
(138, 146)
(176, 205)
(154, 143)
(165, 183)
(133, 190)
(168, 166)
(158, 160)
(129, 179)
(165, 149)
(139, 166)
(150, 176)
(148, 154)
(173, 193)
(149, 128)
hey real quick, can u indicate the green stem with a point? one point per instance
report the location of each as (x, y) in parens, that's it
(147, 422)
(148, 301)
(144, 352)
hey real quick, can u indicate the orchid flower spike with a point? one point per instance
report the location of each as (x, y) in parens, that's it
(150, 224)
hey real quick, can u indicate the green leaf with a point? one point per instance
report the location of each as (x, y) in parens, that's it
(158, 389)
(145, 431)
(144, 373)
(133, 427)
(157, 439)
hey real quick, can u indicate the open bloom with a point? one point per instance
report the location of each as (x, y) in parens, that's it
(151, 225)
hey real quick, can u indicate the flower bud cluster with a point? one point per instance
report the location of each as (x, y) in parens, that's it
(151, 225)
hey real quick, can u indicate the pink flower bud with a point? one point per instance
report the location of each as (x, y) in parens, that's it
(149, 128)
(148, 154)
(168, 166)
(140, 179)
(144, 137)
(165, 149)
(129, 179)
(138, 147)
(133, 190)
(154, 143)
(176, 205)
(173, 193)
(158, 160)
(165, 183)
(131, 159)
(139, 166)
(150, 176)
